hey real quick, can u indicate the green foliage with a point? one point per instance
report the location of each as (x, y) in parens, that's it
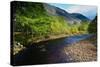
(84, 26)
(32, 21)
(93, 26)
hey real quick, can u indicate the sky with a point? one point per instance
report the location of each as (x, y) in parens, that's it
(88, 11)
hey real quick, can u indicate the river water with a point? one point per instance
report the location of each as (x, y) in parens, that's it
(47, 52)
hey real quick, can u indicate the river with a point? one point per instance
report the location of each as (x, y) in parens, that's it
(47, 52)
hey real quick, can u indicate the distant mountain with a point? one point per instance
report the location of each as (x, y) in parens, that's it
(80, 16)
(71, 18)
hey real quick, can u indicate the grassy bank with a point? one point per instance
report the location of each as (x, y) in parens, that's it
(22, 41)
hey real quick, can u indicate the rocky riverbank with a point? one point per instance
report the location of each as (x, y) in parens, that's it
(85, 50)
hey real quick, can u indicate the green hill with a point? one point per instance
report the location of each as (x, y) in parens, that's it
(32, 23)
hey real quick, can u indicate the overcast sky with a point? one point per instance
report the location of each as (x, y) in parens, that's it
(88, 11)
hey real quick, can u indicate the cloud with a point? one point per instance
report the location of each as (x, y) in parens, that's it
(81, 9)
(87, 11)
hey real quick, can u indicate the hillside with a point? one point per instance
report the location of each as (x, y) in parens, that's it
(39, 22)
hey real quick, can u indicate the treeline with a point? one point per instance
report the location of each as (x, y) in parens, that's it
(93, 26)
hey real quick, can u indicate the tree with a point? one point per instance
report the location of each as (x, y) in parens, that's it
(93, 26)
